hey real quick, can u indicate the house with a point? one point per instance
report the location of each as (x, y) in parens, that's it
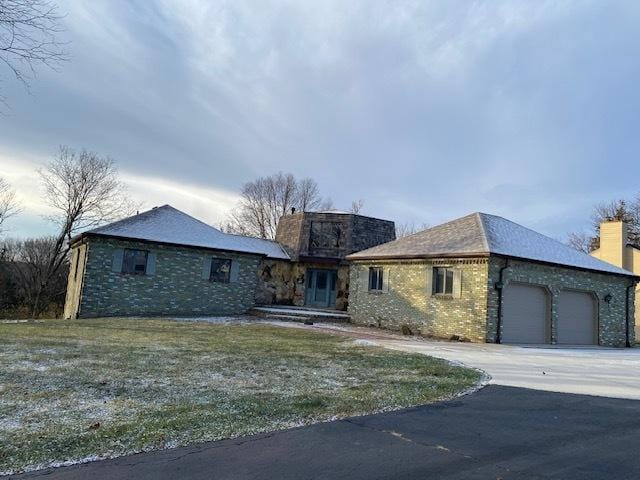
(616, 249)
(487, 279)
(317, 274)
(165, 262)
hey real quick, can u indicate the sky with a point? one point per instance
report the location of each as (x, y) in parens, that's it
(425, 110)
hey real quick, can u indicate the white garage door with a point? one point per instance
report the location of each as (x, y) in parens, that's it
(577, 320)
(525, 314)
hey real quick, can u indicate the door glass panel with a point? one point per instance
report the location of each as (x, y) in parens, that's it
(321, 280)
(321, 286)
(333, 281)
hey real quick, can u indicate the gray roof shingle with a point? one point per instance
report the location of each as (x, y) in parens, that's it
(166, 224)
(484, 234)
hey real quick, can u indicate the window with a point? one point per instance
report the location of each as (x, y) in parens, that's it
(375, 279)
(442, 281)
(220, 270)
(134, 261)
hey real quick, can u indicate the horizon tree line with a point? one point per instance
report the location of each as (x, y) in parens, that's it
(84, 190)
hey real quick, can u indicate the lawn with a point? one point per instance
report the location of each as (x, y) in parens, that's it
(77, 390)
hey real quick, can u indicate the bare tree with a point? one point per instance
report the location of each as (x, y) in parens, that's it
(409, 228)
(326, 204)
(265, 200)
(84, 190)
(29, 37)
(8, 202)
(357, 206)
(29, 264)
(623, 210)
(308, 195)
(580, 241)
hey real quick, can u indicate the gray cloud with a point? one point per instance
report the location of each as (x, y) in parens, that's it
(425, 110)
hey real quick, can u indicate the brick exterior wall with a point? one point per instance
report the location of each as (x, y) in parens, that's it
(176, 288)
(474, 315)
(611, 316)
(408, 303)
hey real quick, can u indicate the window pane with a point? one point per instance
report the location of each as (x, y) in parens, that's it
(439, 280)
(375, 278)
(134, 261)
(220, 270)
(373, 274)
(449, 282)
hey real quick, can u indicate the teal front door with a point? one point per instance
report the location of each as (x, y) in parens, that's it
(321, 288)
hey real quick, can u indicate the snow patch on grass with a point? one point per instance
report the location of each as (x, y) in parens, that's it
(77, 391)
(365, 343)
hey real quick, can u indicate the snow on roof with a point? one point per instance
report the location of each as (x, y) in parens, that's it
(166, 224)
(484, 234)
(335, 211)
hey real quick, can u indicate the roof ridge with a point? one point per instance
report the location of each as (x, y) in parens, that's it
(116, 222)
(483, 230)
(191, 217)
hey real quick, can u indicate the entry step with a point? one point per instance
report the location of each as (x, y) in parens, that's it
(300, 314)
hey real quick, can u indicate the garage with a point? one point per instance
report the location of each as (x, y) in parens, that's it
(577, 318)
(525, 314)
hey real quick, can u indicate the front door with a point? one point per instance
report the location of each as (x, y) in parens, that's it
(321, 288)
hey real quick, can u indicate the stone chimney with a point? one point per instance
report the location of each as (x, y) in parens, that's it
(613, 242)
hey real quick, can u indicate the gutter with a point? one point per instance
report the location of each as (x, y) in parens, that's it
(626, 325)
(378, 258)
(500, 287)
(382, 258)
(87, 235)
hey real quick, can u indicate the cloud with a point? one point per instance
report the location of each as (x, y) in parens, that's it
(426, 110)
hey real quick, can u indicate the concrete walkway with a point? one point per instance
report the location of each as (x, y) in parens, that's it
(607, 372)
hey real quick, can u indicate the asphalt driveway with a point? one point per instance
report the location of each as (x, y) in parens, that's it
(496, 433)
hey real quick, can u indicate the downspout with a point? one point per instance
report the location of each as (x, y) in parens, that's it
(500, 287)
(627, 329)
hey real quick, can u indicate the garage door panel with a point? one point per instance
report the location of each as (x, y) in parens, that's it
(525, 314)
(577, 318)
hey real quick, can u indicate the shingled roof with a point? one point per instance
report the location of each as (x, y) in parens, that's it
(166, 224)
(481, 234)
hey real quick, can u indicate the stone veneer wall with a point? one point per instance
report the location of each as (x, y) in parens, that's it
(288, 233)
(407, 301)
(283, 283)
(367, 232)
(357, 233)
(176, 288)
(612, 316)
